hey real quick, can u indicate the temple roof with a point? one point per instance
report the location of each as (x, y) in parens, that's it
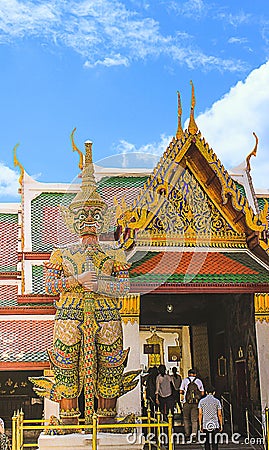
(8, 295)
(25, 340)
(188, 268)
(9, 242)
(189, 175)
(48, 227)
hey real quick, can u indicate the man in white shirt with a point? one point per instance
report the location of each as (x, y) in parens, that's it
(210, 418)
(192, 390)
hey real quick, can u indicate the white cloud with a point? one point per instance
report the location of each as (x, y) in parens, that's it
(190, 8)
(8, 181)
(237, 40)
(235, 19)
(17, 18)
(228, 125)
(155, 148)
(104, 32)
(116, 60)
(128, 155)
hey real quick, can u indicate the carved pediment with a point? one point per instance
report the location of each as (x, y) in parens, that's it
(175, 210)
(187, 209)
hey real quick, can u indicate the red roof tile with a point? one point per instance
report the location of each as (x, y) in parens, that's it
(9, 244)
(192, 262)
(25, 340)
(8, 295)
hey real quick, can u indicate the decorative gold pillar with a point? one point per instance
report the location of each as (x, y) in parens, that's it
(261, 302)
(130, 308)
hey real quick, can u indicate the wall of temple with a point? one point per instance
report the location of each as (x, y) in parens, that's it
(262, 336)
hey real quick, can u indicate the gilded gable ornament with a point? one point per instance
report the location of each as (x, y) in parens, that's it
(188, 209)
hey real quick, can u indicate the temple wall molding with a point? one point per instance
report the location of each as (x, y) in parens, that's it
(130, 308)
(261, 302)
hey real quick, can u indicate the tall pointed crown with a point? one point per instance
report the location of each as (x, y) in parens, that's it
(87, 194)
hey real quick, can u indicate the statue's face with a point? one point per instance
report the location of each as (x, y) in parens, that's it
(88, 220)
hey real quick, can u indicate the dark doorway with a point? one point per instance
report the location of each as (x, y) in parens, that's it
(17, 393)
(223, 341)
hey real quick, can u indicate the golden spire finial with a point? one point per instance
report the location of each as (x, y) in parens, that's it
(88, 193)
(192, 128)
(76, 149)
(17, 163)
(88, 151)
(253, 153)
(179, 133)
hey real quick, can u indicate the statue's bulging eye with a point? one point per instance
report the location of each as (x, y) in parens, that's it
(97, 216)
(82, 216)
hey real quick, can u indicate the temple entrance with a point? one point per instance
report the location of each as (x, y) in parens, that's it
(219, 331)
(17, 394)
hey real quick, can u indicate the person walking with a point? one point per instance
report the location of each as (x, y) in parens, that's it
(210, 418)
(150, 384)
(164, 395)
(192, 390)
(176, 382)
(4, 441)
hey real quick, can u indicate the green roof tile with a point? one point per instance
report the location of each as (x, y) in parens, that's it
(118, 181)
(241, 188)
(218, 267)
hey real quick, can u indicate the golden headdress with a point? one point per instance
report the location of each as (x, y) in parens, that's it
(87, 194)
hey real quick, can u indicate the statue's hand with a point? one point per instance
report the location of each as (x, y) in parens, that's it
(85, 277)
(88, 280)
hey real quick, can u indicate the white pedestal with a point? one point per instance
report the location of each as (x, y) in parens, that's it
(131, 402)
(105, 441)
(51, 409)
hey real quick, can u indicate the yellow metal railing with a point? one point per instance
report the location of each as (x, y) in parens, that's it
(267, 427)
(153, 426)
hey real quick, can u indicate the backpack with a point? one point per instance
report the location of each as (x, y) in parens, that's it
(193, 393)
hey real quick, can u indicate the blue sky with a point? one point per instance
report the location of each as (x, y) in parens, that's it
(112, 69)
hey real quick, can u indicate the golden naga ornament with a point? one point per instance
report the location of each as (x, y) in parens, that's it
(18, 164)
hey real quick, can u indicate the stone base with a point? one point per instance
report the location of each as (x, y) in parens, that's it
(105, 441)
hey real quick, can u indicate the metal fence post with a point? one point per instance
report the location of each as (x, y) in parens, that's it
(94, 431)
(231, 419)
(267, 426)
(14, 431)
(247, 423)
(170, 430)
(158, 415)
(148, 428)
(21, 428)
(18, 438)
